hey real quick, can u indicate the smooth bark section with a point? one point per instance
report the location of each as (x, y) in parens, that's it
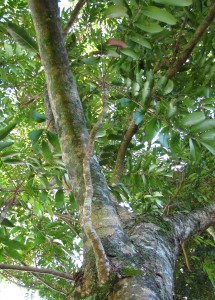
(102, 262)
(62, 90)
(74, 15)
(192, 43)
(119, 166)
(36, 270)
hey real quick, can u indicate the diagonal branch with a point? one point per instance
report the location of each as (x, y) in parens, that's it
(74, 15)
(102, 262)
(192, 43)
(119, 166)
(36, 270)
(187, 224)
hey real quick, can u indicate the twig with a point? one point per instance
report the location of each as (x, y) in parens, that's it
(74, 15)
(102, 263)
(185, 256)
(65, 220)
(36, 270)
(8, 204)
(119, 166)
(192, 43)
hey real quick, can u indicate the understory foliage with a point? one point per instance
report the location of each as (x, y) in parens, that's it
(168, 163)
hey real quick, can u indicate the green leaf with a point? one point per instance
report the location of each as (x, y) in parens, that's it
(137, 38)
(138, 116)
(174, 2)
(204, 125)
(210, 145)
(209, 135)
(195, 150)
(159, 14)
(130, 53)
(13, 253)
(116, 11)
(34, 135)
(193, 119)
(53, 139)
(149, 26)
(7, 129)
(22, 37)
(59, 199)
(125, 101)
(47, 154)
(8, 49)
(7, 223)
(169, 87)
(5, 145)
(171, 109)
(151, 129)
(36, 116)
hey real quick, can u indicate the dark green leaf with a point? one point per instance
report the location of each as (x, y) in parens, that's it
(159, 14)
(59, 199)
(5, 145)
(193, 119)
(34, 135)
(174, 2)
(36, 116)
(22, 37)
(7, 129)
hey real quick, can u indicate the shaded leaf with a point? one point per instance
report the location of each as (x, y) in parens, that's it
(7, 129)
(174, 2)
(137, 38)
(130, 53)
(22, 37)
(159, 14)
(116, 11)
(195, 150)
(34, 135)
(36, 116)
(193, 119)
(5, 145)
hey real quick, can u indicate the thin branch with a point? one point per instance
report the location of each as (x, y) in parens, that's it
(102, 262)
(192, 43)
(8, 204)
(48, 285)
(119, 166)
(36, 270)
(65, 220)
(74, 15)
(39, 278)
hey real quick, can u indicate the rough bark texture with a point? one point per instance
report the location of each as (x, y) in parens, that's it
(141, 250)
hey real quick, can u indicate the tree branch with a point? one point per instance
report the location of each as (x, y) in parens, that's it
(102, 262)
(192, 43)
(187, 224)
(119, 166)
(36, 270)
(74, 15)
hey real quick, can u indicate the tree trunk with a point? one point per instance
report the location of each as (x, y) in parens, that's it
(141, 251)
